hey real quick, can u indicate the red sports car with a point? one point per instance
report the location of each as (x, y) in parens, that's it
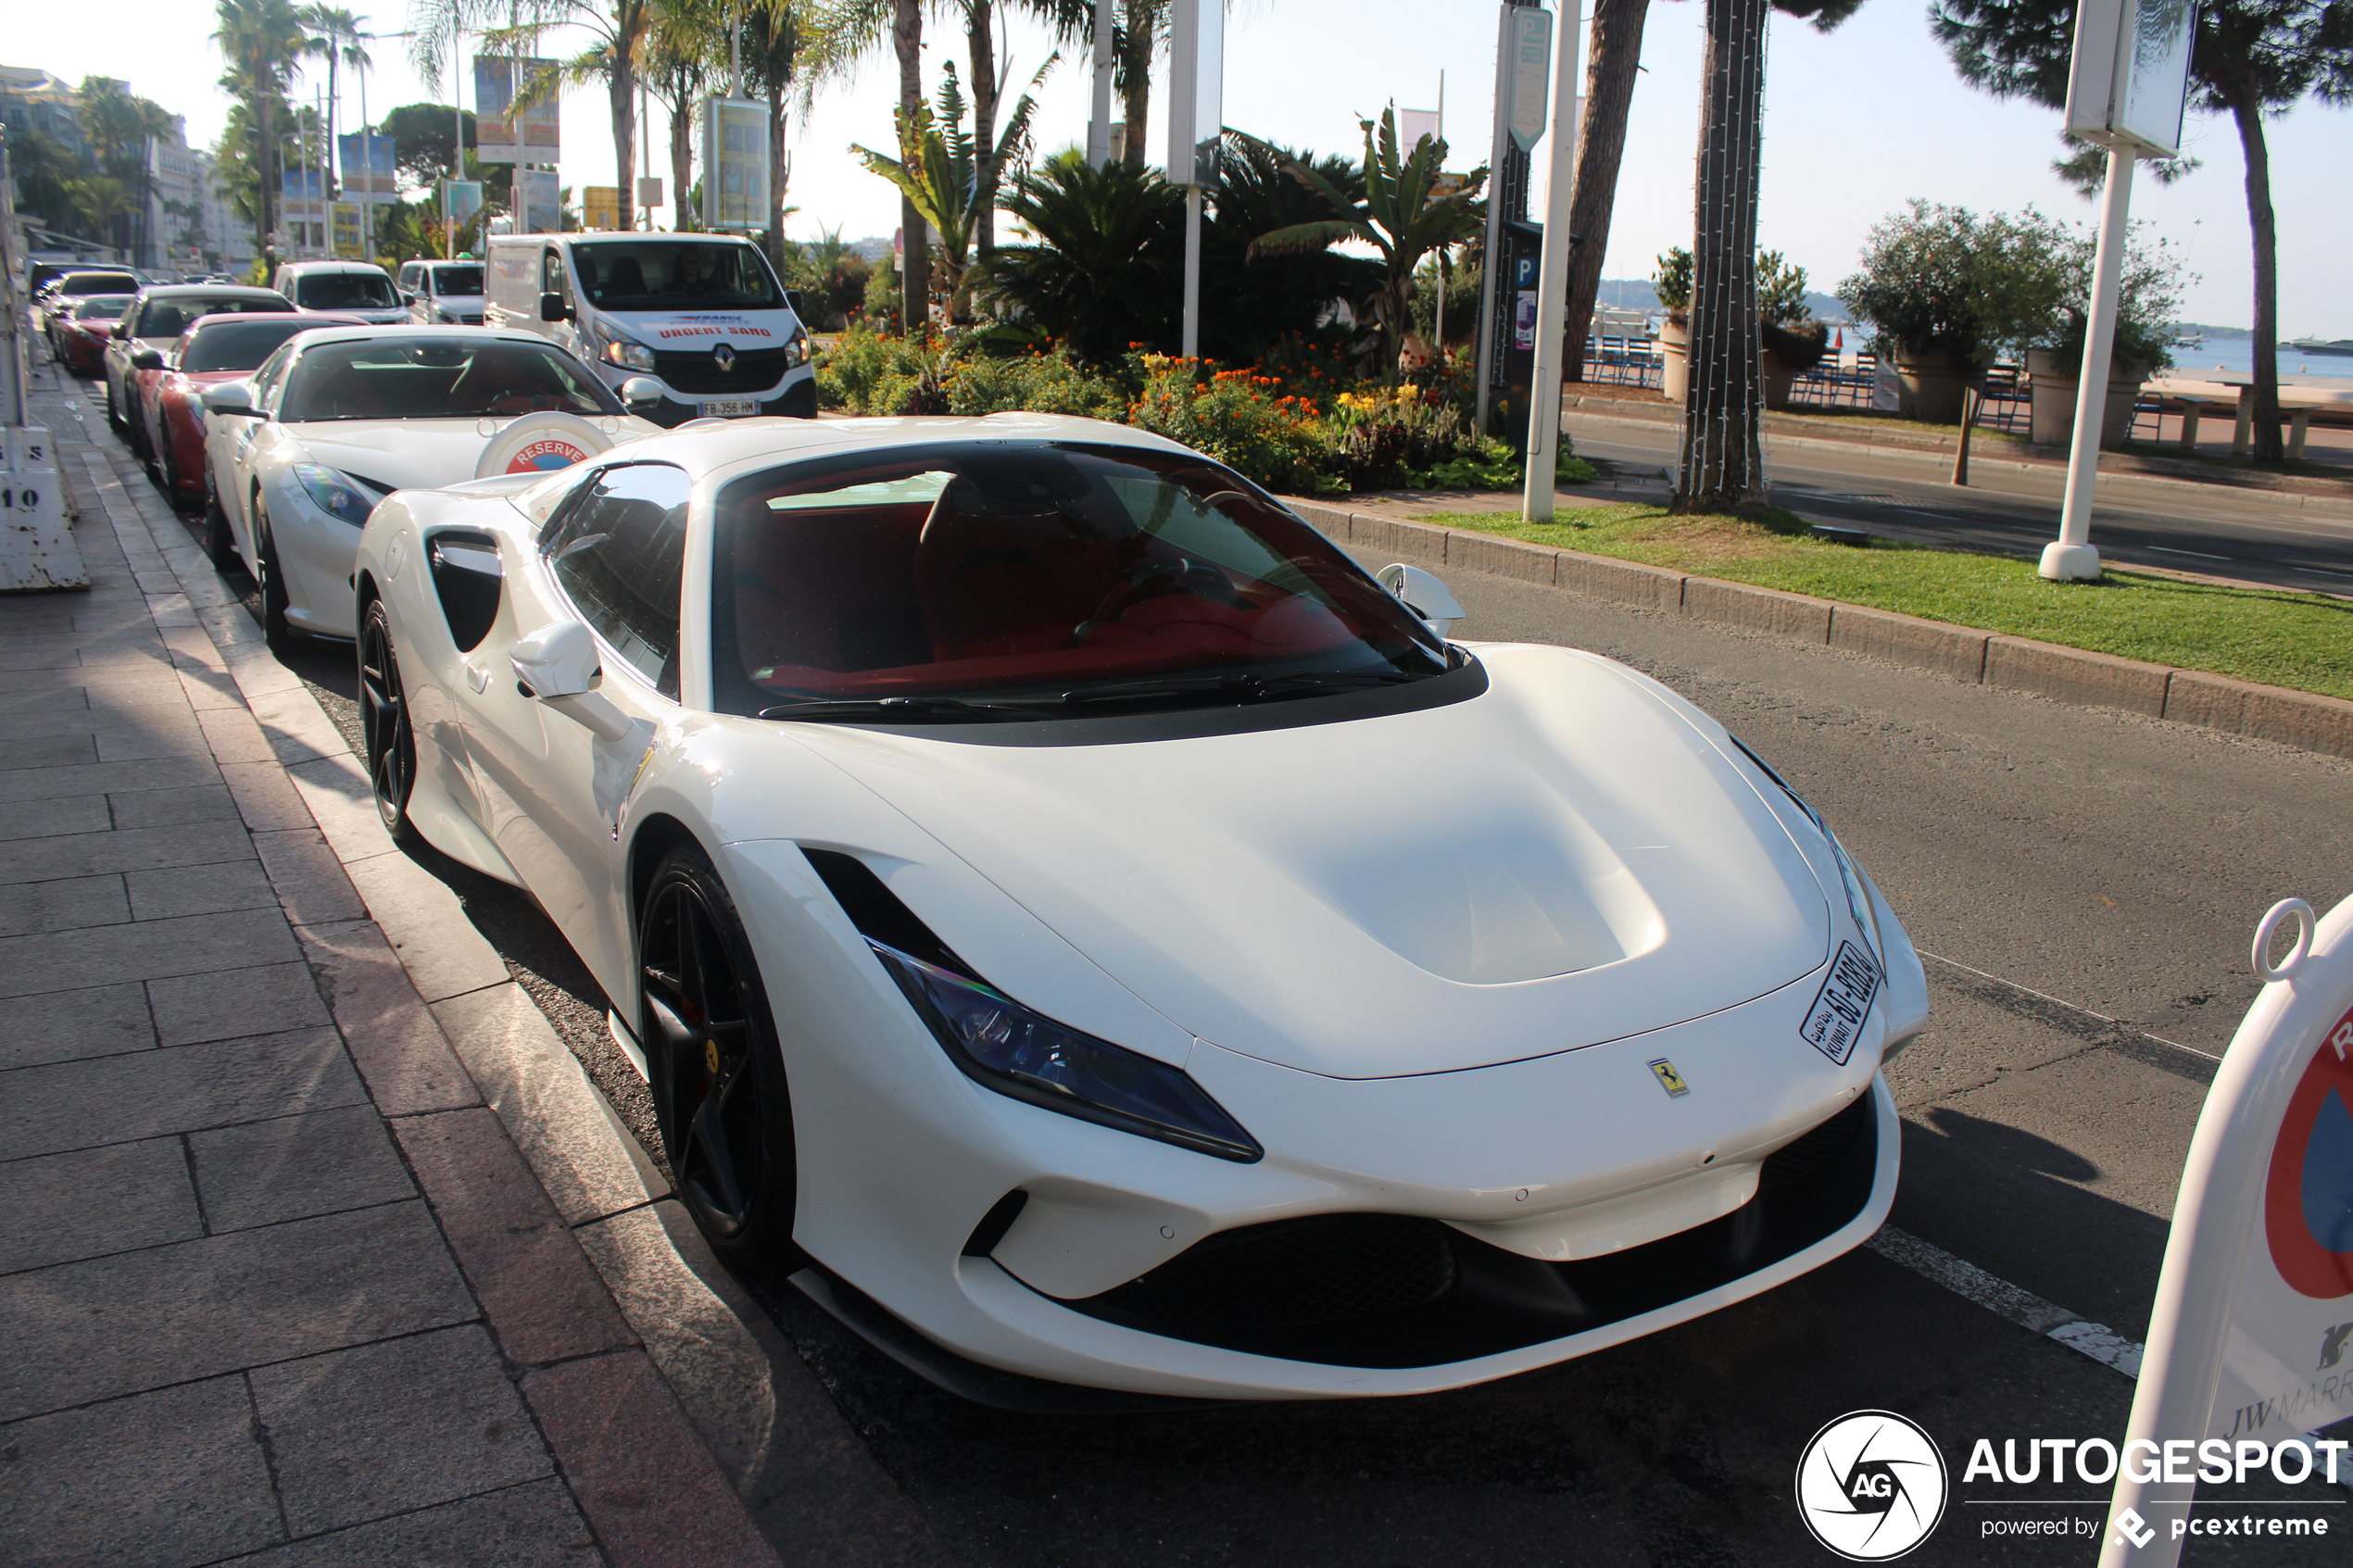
(213, 349)
(82, 332)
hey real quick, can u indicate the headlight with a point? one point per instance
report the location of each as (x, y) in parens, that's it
(333, 494)
(1007, 1048)
(797, 349)
(622, 352)
(1859, 898)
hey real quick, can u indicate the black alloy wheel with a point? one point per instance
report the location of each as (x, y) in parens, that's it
(384, 724)
(219, 539)
(276, 630)
(718, 1079)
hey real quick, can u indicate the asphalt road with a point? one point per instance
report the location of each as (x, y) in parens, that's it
(2086, 883)
(2249, 535)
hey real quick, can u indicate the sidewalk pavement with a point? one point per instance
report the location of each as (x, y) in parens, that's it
(316, 1245)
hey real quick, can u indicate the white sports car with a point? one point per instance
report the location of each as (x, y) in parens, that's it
(1075, 922)
(299, 453)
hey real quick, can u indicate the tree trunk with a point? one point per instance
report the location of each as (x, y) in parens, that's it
(1721, 462)
(1601, 148)
(682, 161)
(982, 34)
(622, 91)
(1135, 90)
(2247, 110)
(775, 235)
(914, 284)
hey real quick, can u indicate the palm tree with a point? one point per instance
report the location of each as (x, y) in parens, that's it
(1106, 262)
(946, 177)
(684, 50)
(260, 41)
(336, 39)
(1721, 464)
(1399, 216)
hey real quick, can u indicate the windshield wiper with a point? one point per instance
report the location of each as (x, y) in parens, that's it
(1238, 688)
(901, 709)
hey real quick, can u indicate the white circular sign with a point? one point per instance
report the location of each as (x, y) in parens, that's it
(1870, 1486)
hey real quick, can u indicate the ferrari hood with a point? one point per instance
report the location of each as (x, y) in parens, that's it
(1561, 860)
(416, 454)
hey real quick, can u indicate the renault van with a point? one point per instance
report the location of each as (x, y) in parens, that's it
(702, 315)
(443, 293)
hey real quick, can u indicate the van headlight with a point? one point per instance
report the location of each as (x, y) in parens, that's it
(797, 349)
(625, 353)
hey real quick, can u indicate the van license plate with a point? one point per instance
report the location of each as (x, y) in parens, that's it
(729, 408)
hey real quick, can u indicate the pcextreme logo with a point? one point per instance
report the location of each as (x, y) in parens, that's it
(1871, 1486)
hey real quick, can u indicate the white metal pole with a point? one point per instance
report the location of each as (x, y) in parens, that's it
(1099, 122)
(2072, 558)
(1191, 347)
(1552, 281)
(645, 145)
(367, 173)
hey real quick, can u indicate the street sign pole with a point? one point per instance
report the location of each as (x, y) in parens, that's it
(1099, 122)
(1523, 50)
(1552, 288)
(1196, 121)
(2128, 84)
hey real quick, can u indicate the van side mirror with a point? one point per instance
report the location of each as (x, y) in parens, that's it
(799, 306)
(551, 309)
(146, 359)
(1422, 594)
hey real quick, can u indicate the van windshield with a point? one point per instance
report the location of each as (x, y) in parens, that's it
(345, 290)
(676, 275)
(457, 279)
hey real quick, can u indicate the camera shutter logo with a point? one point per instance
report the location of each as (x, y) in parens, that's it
(1871, 1486)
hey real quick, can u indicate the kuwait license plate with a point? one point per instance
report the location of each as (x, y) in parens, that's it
(729, 408)
(1836, 1018)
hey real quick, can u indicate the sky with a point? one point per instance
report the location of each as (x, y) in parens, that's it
(1856, 122)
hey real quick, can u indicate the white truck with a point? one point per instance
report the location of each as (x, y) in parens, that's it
(701, 314)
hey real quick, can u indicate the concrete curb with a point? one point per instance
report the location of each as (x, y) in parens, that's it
(1962, 653)
(534, 1180)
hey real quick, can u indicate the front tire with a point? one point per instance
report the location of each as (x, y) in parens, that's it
(114, 419)
(719, 1087)
(219, 539)
(384, 722)
(276, 630)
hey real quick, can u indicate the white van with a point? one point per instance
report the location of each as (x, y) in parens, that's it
(700, 313)
(347, 288)
(443, 293)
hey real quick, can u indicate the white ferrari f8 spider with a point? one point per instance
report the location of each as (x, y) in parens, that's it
(1076, 922)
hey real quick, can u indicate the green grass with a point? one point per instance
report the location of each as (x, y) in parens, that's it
(2280, 638)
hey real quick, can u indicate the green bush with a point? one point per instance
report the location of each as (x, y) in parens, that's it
(1037, 384)
(1980, 289)
(1242, 419)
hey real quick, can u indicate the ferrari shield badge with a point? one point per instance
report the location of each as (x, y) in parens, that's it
(1669, 1079)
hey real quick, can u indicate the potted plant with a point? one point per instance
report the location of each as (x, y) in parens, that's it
(2149, 302)
(1789, 342)
(1672, 283)
(1946, 291)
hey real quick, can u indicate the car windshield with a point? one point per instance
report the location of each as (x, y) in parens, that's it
(100, 282)
(675, 275)
(169, 316)
(1035, 572)
(345, 290)
(102, 307)
(445, 375)
(240, 346)
(457, 279)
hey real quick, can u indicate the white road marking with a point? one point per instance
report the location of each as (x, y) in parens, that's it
(2004, 1300)
(2070, 1007)
(2197, 554)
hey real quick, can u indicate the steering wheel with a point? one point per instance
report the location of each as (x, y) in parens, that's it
(1155, 578)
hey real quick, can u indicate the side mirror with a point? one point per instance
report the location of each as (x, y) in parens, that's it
(1423, 594)
(119, 331)
(552, 308)
(146, 359)
(229, 398)
(408, 296)
(641, 394)
(558, 665)
(799, 306)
